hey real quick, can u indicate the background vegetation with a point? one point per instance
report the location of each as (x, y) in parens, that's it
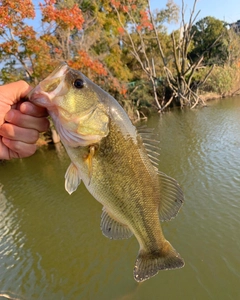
(125, 48)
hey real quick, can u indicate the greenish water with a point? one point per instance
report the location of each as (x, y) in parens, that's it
(51, 246)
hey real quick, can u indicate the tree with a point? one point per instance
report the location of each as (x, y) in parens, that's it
(141, 36)
(210, 36)
(35, 55)
(233, 49)
(178, 70)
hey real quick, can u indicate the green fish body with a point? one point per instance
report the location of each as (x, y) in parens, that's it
(109, 156)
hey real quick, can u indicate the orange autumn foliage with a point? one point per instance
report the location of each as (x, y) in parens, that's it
(15, 11)
(65, 17)
(84, 62)
(38, 53)
(129, 9)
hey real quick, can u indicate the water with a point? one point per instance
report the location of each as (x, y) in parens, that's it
(51, 246)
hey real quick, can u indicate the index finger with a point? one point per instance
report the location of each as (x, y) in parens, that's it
(11, 93)
(31, 109)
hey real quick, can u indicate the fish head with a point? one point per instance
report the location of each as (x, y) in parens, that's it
(73, 102)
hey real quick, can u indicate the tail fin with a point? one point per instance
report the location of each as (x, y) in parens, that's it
(148, 264)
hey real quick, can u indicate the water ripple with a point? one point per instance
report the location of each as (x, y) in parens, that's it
(51, 246)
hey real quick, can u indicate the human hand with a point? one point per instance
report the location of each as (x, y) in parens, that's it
(20, 122)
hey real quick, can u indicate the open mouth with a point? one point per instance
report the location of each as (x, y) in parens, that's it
(59, 71)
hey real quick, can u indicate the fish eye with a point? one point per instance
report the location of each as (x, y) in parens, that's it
(78, 83)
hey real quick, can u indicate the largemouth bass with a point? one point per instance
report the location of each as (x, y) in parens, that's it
(109, 156)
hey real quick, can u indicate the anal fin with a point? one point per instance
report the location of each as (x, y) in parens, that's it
(112, 228)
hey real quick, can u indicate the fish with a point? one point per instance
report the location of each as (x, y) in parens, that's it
(116, 164)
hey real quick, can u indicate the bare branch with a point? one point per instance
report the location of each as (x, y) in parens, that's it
(235, 92)
(175, 53)
(206, 76)
(168, 103)
(156, 35)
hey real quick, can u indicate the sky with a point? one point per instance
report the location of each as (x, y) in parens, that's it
(225, 10)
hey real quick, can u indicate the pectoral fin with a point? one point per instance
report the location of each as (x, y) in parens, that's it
(89, 161)
(171, 197)
(72, 179)
(113, 229)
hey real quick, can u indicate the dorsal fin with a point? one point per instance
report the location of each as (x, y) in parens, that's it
(171, 197)
(150, 143)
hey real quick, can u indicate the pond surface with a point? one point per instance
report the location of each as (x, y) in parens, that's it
(51, 245)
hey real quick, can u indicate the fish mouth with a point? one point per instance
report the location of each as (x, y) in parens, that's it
(59, 71)
(54, 84)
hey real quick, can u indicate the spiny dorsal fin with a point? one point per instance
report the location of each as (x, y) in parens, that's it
(112, 228)
(72, 179)
(150, 143)
(171, 197)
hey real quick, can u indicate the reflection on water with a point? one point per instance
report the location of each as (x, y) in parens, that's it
(51, 246)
